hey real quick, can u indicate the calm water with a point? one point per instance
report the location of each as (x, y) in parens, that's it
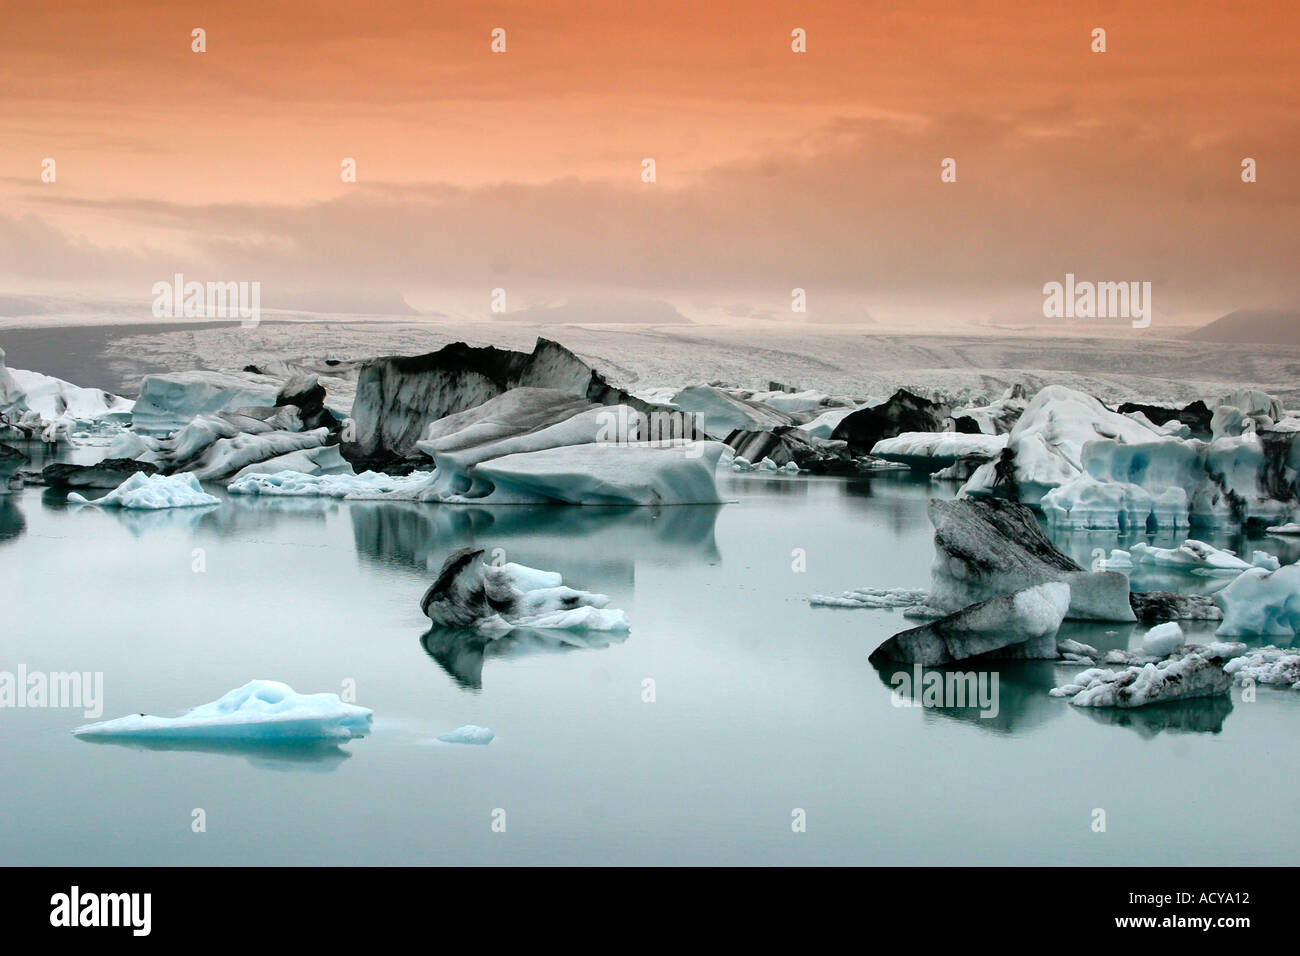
(762, 704)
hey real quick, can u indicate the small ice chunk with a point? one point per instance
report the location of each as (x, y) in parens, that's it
(469, 734)
(1163, 639)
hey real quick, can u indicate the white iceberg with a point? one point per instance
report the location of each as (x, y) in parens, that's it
(1163, 639)
(469, 734)
(260, 710)
(1284, 529)
(152, 492)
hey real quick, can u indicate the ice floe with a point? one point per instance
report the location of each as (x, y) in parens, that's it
(260, 710)
(872, 598)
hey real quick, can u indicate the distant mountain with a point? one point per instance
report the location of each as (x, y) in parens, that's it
(1253, 327)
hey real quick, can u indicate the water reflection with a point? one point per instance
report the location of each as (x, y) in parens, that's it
(581, 543)
(462, 652)
(1002, 697)
(1203, 715)
(313, 756)
(12, 522)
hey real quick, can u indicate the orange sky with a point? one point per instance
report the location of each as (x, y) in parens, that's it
(775, 169)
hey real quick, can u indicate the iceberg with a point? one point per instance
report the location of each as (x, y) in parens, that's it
(1261, 602)
(1045, 448)
(399, 397)
(792, 449)
(1000, 416)
(152, 492)
(1019, 625)
(677, 473)
(1162, 640)
(1154, 606)
(1195, 557)
(720, 413)
(260, 710)
(496, 599)
(108, 473)
(321, 460)
(172, 400)
(903, 412)
(1198, 673)
(54, 399)
(932, 451)
(824, 424)
(989, 546)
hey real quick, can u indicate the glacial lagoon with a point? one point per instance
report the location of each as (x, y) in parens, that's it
(731, 712)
